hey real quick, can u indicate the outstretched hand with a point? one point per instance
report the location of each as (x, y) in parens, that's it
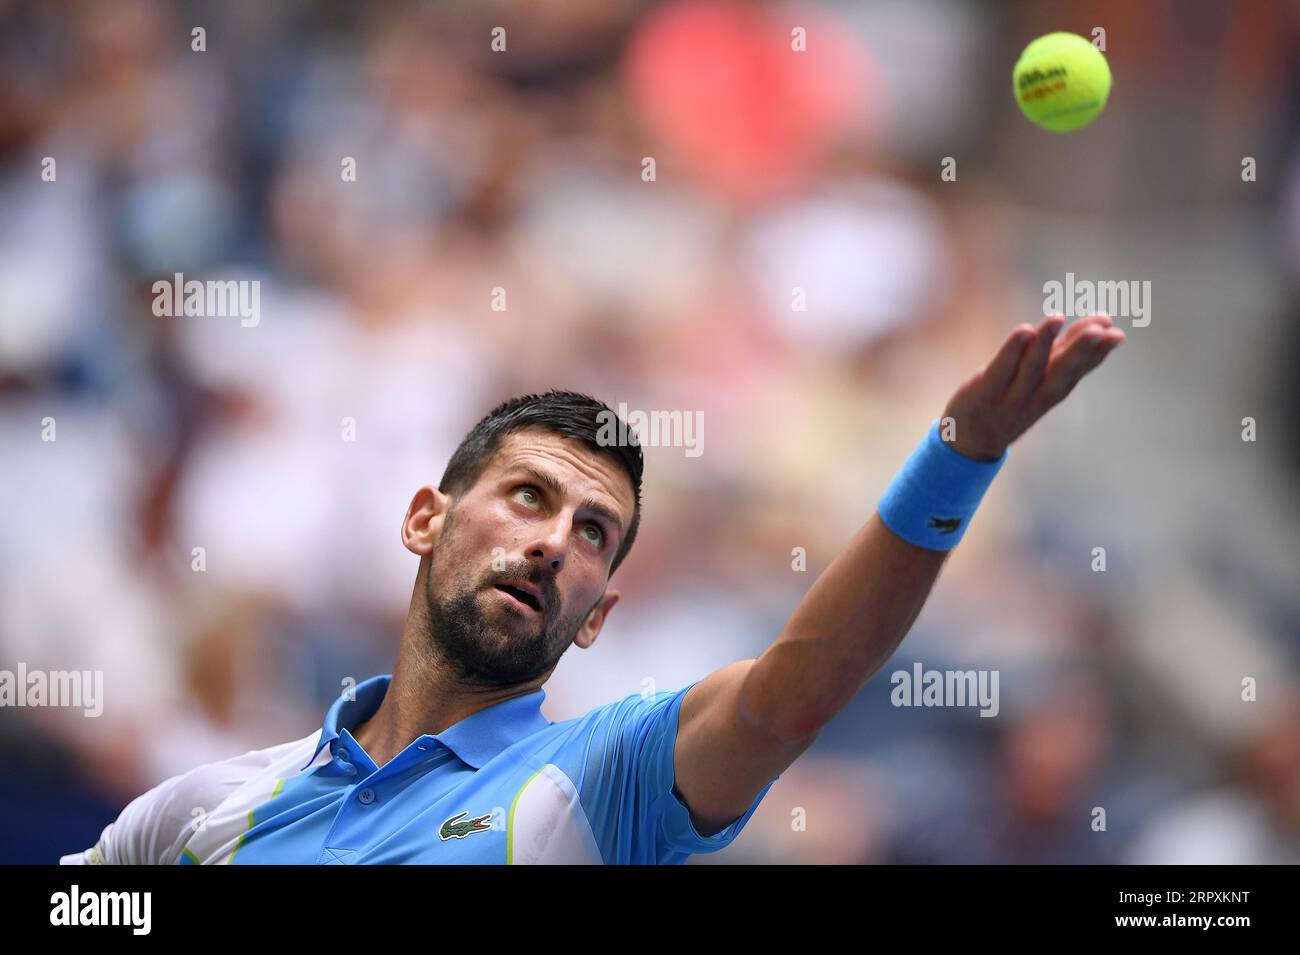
(1031, 373)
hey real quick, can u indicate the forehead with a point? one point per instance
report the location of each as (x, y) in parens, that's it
(584, 471)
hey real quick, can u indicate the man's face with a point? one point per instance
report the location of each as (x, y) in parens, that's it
(519, 567)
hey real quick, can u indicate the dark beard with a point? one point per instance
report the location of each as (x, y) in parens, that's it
(483, 653)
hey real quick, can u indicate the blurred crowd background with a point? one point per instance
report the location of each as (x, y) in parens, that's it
(522, 170)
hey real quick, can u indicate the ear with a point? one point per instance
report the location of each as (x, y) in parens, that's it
(591, 627)
(423, 523)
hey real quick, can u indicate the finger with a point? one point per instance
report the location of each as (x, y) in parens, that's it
(1089, 351)
(1069, 367)
(1097, 355)
(1034, 360)
(1071, 334)
(1002, 367)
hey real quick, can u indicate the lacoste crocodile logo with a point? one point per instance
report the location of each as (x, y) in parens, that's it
(458, 828)
(946, 525)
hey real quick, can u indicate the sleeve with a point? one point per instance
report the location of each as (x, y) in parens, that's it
(155, 826)
(656, 823)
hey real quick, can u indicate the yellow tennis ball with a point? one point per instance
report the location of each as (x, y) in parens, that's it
(1061, 82)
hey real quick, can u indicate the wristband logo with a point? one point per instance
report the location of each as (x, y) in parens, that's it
(945, 525)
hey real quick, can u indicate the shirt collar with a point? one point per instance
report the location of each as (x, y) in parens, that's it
(476, 739)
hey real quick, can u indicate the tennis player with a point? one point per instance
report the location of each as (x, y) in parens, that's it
(450, 760)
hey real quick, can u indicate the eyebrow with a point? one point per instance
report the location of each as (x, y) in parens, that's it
(558, 488)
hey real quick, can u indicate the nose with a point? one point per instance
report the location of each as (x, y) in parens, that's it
(551, 544)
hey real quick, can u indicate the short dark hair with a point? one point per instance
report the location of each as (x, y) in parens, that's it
(566, 413)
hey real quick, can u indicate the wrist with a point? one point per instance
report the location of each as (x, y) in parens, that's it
(976, 453)
(932, 498)
(969, 440)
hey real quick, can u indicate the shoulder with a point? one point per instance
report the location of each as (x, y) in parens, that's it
(155, 826)
(617, 747)
(624, 724)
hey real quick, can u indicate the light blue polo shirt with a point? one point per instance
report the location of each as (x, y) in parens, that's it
(503, 785)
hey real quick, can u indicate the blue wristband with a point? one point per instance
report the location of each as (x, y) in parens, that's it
(931, 500)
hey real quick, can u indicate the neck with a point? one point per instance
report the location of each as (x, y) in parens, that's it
(425, 697)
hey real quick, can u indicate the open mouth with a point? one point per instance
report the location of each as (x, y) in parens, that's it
(522, 596)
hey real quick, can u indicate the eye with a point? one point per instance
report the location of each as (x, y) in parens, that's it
(599, 538)
(531, 497)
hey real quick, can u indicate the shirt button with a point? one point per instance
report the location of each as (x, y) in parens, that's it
(366, 796)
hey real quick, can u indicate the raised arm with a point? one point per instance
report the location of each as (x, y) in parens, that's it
(744, 724)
